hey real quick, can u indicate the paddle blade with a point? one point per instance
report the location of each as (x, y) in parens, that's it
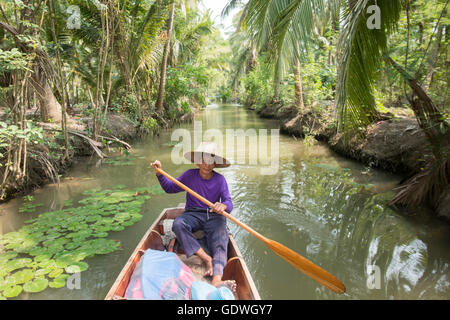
(307, 267)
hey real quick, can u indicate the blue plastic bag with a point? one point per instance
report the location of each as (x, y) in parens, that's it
(160, 275)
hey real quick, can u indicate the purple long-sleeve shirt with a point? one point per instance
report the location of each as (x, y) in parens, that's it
(215, 189)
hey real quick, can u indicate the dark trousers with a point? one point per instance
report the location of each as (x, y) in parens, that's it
(215, 228)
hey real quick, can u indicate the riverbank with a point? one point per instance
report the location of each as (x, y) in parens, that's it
(46, 163)
(395, 143)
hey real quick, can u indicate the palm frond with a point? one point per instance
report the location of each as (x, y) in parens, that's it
(259, 20)
(230, 6)
(424, 187)
(360, 52)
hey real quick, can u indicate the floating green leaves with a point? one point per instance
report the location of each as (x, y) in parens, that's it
(119, 161)
(77, 267)
(28, 206)
(12, 292)
(59, 281)
(23, 276)
(48, 249)
(37, 285)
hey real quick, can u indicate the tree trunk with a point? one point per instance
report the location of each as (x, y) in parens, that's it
(162, 83)
(428, 116)
(51, 110)
(427, 185)
(434, 57)
(252, 64)
(277, 82)
(298, 85)
(276, 92)
(420, 33)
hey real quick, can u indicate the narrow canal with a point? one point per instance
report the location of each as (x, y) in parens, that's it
(327, 208)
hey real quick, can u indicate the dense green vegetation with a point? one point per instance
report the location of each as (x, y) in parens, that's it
(66, 66)
(149, 61)
(70, 68)
(373, 60)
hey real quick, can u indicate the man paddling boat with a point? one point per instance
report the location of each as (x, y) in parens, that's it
(198, 216)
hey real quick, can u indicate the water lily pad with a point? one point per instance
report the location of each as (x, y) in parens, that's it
(56, 284)
(47, 264)
(13, 245)
(117, 228)
(128, 223)
(80, 234)
(55, 249)
(60, 240)
(77, 267)
(122, 216)
(135, 217)
(55, 273)
(63, 276)
(119, 196)
(15, 264)
(26, 246)
(72, 245)
(23, 276)
(100, 234)
(37, 285)
(68, 203)
(42, 272)
(42, 257)
(102, 229)
(74, 256)
(156, 189)
(38, 251)
(7, 283)
(107, 221)
(30, 221)
(52, 239)
(7, 256)
(30, 207)
(93, 218)
(12, 292)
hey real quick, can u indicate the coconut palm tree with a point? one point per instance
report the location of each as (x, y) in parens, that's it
(284, 28)
(362, 50)
(162, 81)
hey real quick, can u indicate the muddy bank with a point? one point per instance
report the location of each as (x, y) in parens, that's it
(45, 162)
(395, 145)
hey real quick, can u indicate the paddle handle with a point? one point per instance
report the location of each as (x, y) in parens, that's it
(210, 204)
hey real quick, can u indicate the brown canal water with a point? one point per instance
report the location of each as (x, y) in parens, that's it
(327, 208)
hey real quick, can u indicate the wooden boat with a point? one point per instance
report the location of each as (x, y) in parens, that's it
(235, 269)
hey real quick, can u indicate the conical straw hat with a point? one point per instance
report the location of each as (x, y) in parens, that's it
(210, 151)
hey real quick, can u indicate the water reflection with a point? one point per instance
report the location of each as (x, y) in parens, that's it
(329, 209)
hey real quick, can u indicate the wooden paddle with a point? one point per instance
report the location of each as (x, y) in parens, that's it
(304, 265)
